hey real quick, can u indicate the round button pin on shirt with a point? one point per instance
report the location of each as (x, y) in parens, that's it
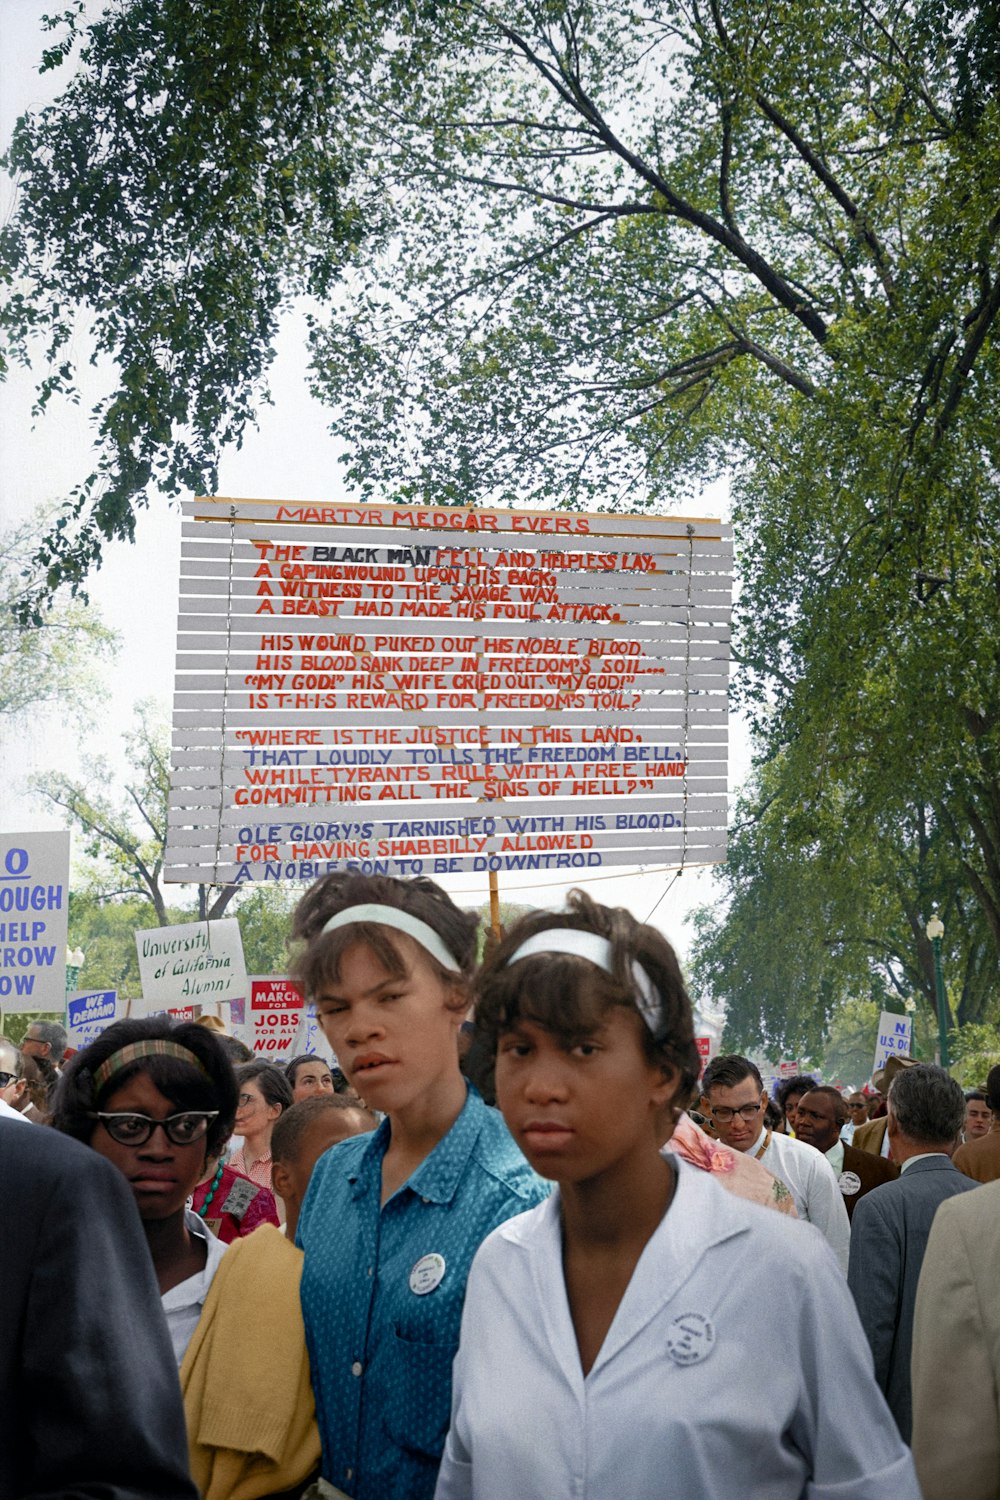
(427, 1274)
(690, 1339)
(850, 1183)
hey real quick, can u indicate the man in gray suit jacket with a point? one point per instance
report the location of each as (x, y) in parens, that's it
(891, 1224)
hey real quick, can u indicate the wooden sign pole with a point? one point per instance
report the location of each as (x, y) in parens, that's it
(495, 905)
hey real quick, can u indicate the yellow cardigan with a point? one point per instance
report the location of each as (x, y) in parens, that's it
(249, 1405)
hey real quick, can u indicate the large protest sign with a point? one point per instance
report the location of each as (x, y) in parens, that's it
(88, 1013)
(401, 690)
(34, 912)
(193, 962)
(275, 1021)
(894, 1038)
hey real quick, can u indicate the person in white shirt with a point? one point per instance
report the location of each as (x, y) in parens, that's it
(733, 1098)
(13, 1084)
(611, 1337)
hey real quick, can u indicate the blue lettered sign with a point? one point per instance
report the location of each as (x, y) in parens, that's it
(34, 911)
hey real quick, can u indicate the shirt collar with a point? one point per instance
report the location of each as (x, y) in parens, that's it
(835, 1156)
(924, 1156)
(438, 1175)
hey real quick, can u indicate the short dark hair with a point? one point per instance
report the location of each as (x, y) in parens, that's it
(993, 1089)
(927, 1103)
(800, 1084)
(295, 1063)
(207, 1084)
(53, 1033)
(290, 1127)
(316, 955)
(836, 1095)
(729, 1070)
(976, 1096)
(567, 994)
(270, 1080)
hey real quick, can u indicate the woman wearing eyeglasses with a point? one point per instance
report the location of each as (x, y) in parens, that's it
(156, 1099)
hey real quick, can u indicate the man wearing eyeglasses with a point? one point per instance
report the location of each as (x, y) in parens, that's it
(12, 1082)
(734, 1099)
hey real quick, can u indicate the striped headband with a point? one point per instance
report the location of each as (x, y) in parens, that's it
(597, 950)
(401, 921)
(135, 1051)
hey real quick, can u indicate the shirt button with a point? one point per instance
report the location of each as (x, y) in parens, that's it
(370, 1270)
(348, 1473)
(356, 1367)
(425, 1201)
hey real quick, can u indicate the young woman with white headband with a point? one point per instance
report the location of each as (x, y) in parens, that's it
(612, 1339)
(392, 1220)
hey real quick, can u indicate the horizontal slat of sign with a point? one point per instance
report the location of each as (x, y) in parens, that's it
(436, 770)
(637, 805)
(283, 544)
(670, 643)
(249, 576)
(464, 521)
(313, 799)
(629, 590)
(189, 800)
(208, 775)
(649, 659)
(676, 552)
(610, 837)
(250, 629)
(208, 762)
(207, 740)
(488, 700)
(308, 718)
(327, 613)
(640, 669)
(229, 869)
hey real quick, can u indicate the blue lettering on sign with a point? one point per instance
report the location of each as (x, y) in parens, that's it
(20, 984)
(97, 1007)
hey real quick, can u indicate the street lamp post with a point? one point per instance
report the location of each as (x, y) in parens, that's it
(935, 932)
(74, 963)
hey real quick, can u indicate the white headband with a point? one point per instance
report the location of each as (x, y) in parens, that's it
(391, 916)
(597, 950)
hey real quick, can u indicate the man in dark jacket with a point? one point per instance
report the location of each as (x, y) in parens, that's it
(89, 1398)
(891, 1224)
(821, 1115)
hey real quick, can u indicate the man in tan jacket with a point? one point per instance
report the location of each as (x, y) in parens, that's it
(956, 1352)
(980, 1159)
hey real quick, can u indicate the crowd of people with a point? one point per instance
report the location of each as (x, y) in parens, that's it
(537, 1258)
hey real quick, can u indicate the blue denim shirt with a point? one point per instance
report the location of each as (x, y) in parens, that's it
(380, 1352)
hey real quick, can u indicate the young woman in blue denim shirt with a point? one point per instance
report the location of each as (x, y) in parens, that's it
(392, 1220)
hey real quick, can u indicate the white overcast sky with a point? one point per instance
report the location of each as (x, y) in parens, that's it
(292, 455)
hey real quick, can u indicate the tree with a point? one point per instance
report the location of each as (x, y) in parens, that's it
(127, 835)
(187, 183)
(52, 661)
(824, 905)
(594, 257)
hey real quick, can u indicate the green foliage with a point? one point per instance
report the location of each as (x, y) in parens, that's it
(853, 1032)
(53, 660)
(188, 182)
(824, 903)
(976, 1049)
(125, 835)
(596, 257)
(265, 913)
